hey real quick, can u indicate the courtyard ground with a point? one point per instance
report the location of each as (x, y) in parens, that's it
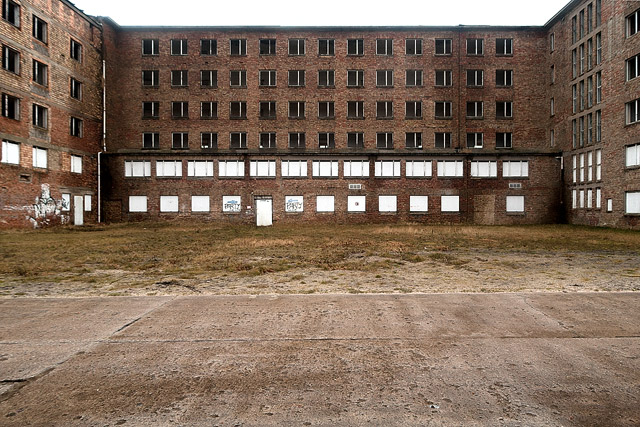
(188, 258)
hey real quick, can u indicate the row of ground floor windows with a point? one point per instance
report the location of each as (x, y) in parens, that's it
(591, 198)
(323, 203)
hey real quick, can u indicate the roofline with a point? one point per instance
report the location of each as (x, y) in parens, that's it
(80, 12)
(274, 28)
(555, 18)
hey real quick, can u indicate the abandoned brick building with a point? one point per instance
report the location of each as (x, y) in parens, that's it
(476, 124)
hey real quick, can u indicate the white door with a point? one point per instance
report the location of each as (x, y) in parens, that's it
(264, 213)
(78, 210)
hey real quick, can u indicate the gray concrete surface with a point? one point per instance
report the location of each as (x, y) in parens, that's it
(448, 359)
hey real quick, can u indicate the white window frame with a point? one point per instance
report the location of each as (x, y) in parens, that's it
(418, 168)
(168, 168)
(515, 168)
(356, 169)
(387, 169)
(76, 164)
(40, 158)
(325, 168)
(262, 168)
(10, 152)
(417, 47)
(484, 169)
(137, 168)
(200, 168)
(231, 168)
(450, 168)
(387, 204)
(87, 202)
(293, 168)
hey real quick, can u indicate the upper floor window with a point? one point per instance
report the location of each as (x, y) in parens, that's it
(40, 73)
(633, 23)
(552, 42)
(504, 139)
(355, 109)
(475, 78)
(504, 78)
(238, 110)
(326, 47)
(238, 78)
(504, 47)
(10, 152)
(75, 89)
(40, 29)
(296, 78)
(267, 109)
(267, 77)
(633, 67)
(150, 78)
(355, 78)
(208, 140)
(384, 109)
(474, 109)
(296, 47)
(179, 109)
(209, 78)
(443, 109)
(267, 46)
(413, 109)
(40, 116)
(355, 47)
(443, 46)
(632, 156)
(179, 46)
(10, 107)
(10, 59)
(504, 109)
(208, 47)
(238, 47)
(150, 110)
(268, 140)
(150, 140)
(384, 140)
(475, 46)
(443, 78)
(384, 78)
(442, 140)
(180, 140)
(475, 140)
(384, 47)
(633, 111)
(413, 140)
(11, 12)
(355, 140)
(39, 157)
(179, 78)
(326, 78)
(149, 46)
(326, 140)
(413, 46)
(296, 109)
(76, 127)
(413, 78)
(75, 50)
(238, 140)
(297, 140)
(326, 110)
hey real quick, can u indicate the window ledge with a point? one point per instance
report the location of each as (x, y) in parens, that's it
(355, 118)
(267, 86)
(515, 213)
(179, 86)
(238, 87)
(296, 118)
(327, 118)
(267, 118)
(179, 118)
(384, 118)
(327, 87)
(237, 118)
(413, 118)
(151, 118)
(204, 87)
(150, 86)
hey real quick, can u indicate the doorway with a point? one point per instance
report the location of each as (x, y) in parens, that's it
(78, 210)
(264, 211)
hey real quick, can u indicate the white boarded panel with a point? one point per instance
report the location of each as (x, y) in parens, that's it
(356, 203)
(515, 203)
(419, 204)
(632, 203)
(137, 203)
(293, 203)
(200, 204)
(325, 203)
(388, 203)
(168, 203)
(450, 203)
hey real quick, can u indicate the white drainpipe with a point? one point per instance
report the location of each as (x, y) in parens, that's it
(104, 136)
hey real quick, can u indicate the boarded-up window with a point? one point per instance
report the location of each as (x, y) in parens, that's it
(484, 169)
(387, 203)
(231, 168)
(356, 168)
(137, 203)
(294, 168)
(450, 168)
(293, 203)
(168, 203)
(200, 204)
(325, 203)
(515, 204)
(450, 203)
(325, 169)
(169, 168)
(263, 168)
(632, 202)
(66, 202)
(516, 169)
(419, 169)
(418, 203)
(137, 168)
(10, 152)
(231, 204)
(200, 168)
(388, 168)
(87, 202)
(356, 203)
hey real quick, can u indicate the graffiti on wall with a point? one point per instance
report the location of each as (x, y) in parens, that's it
(48, 211)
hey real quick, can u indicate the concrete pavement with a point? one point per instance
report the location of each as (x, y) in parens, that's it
(443, 359)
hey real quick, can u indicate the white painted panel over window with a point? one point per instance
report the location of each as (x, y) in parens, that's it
(135, 168)
(169, 168)
(581, 196)
(589, 198)
(200, 168)
(168, 203)
(39, 157)
(10, 152)
(633, 156)
(422, 169)
(387, 203)
(574, 199)
(262, 168)
(484, 169)
(419, 204)
(231, 168)
(76, 164)
(515, 169)
(66, 202)
(632, 202)
(325, 203)
(325, 168)
(450, 168)
(450, 203)
(387, 168)
(356, 168)
(231, 204)
(293, 203)
(598, 198)
(200, 204)
(515, 204)
(137, 203)
(294, 168)
(87, 203)
(356, 203)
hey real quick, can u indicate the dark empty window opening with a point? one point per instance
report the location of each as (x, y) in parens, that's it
(443, 46)
(10, 60)
(180, 140)
(413, 78)
(10, 107)
(238, 140)
(238, 78)
(326, 140)
(40, 30)
(297, 140)
(504, 139)
(208, 47)
(443, 109)
(75, 50)
(384, 47)
(326, 47)
(150, 140)
(355, 78)
(384, 140)
(75, 127)
(504, 47)
(413, 109)
(11, 12)
(180, 109)
(475, 46)
(443, 77)
(474, 109)
(150, 78)
(296, 78)
(179, 78)
(413, 140)
(413, 46)
(238, 110)
(475, 78)
(296, 47)
(326, 110)
(267, 77)
(267, 46)
(40, 73)
(75, 89)
(179, 47)
(208, 140)
(150, 110)
(355, 109)
(296, 109)
(443, 140)
(384, 78)
(326, 78)
(355, 140)
(208, 110)
(149, 46)
(238, 47)
(504, 109)
(355, 47)
(267, 109)
(504, 78)
(268, 140)
(209, 78)
(384, 109)
(475, 140)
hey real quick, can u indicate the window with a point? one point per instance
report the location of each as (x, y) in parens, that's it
(598, 126)
(515, 204)
(238, 78)
(10, 60)
(180, 110)
(443, 78)
(384, 109)
(574, 63)
(589, 198)
(40, 30)
(87, 202)
(326, 47)
(180, 140)
(418, 204)
(356, 169)
(267, 46)
(179, 78)
(237, 110)
(355, 78)
(11, 12)
(589, 18)
(238, 47)
(40, 73)
(168, 168)
(268, 140)
(267, 78)
(267, 109)
(293, 203)
(581, 24)
(515, 169)
(443, 109)
(484, 169)
(200, 204)
(355, 47)
(575, 168)
(296, 78)
(208, 140)
(589, 54)
(296, 140)
(474, 109)
(326, 78)
(384, 140)
(552, 42)
(326, 110)
(475, 46)
(326, 140)
(208, 47)
(209, 78)
(262, 168)
(598, 198)
(632, 109)
(598, 12)
(325, 204)
(598, 87)
(632, 156)
(355, 109)
(450, 203)
(231, 204)
(632, 67)
(574, 198)
(388, 204)
(39, 157)
(208, 110)
(325, 168)
(632, 202)
(76, 127)
(384, 78)
(200, 168)
(553, 74)
(581, 136)
(238, 140)
(590, 166)
(443, 140)
(387, 169)
(504, 47)
(10, 106)
(450, 168)
(413, 46)
(75, 89)
(633, 23)
(574, 29)
(590, 128)
(356, 203)
(384, 47)
(419, 168)
(137, 168)
(149, 46)
(296, 47)
(582, 167)
(413, 78)
(598, 49)
(294, 168)
(443, 46)
(475, 139)
(137, 203)
(355, 140)
(10, 152)
(296, 109)
(504, 78)
(178, 46)
(231, 168)
(413, 139)
(581, 50)
(504, 109)
(150, 78)
(574, 92)
(552, 106)
(40, 116)
(475, 78)
(413, 109)
(150, 140)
